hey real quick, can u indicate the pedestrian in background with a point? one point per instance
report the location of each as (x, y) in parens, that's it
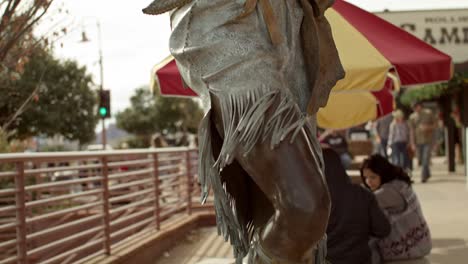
(398, 140)
(338, 143)
(423, 124)
(382, 131)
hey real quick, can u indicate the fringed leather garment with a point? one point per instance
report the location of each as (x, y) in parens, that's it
(252, 56)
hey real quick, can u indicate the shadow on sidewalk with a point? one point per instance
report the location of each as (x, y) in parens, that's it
(444, 251)
(449, 251)
(413, 261)
(454, 179)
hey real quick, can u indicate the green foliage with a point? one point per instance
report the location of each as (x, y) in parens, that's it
(54, 148)
(138, 142)
(139, 118)
(432, 92)
(149, 114)
(18, 19)
(176, 114)
(62, 100)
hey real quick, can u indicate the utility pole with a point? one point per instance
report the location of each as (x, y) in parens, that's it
(101, 88)
(101, 85)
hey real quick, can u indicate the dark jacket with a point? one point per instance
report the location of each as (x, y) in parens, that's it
(355, 216)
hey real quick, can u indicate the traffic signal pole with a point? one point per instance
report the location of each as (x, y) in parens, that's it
(102, 113)
(101, 88)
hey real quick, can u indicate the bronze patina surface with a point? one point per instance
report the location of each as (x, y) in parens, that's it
(260, 66)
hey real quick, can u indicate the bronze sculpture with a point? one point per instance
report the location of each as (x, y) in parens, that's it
(259, 67)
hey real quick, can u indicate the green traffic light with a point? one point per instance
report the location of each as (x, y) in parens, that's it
(102, 111)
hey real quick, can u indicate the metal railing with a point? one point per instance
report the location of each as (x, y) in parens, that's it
(66, 207)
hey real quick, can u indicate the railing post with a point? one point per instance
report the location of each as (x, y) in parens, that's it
(21, 244)
(105, 207)
(157, 218)
(189, 182)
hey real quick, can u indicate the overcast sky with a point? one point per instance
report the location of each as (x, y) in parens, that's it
(133, 42)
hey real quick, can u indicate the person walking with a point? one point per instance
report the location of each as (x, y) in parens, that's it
(382, 132)
(422, 123)
(398, 139)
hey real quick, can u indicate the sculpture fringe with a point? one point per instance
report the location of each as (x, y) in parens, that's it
(257, 116)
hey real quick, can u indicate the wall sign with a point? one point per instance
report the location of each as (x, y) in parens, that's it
(446, 30)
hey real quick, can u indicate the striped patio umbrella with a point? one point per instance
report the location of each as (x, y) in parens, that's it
(347, 109)
(369, 48)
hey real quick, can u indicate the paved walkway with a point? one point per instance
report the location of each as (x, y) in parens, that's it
(200, 245)
(444, 200)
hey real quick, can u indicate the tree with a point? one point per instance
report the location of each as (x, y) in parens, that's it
(149, 114)
(435, 91)
(139, 118)
(18, 19)
(60, 99)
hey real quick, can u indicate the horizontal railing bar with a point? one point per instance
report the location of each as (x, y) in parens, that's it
(8, 226)
(130, 206)
(179, 184)
(4, 209)
(9, 260)
(169, 167)
(62, 212)
(130, 217)
(60, 198)
(131, 227)
(73, 251)
(63, 227)
(129, 163)
(169, 205)
(36, 251)
(131, 195)
(8, 174)
(5, 192)
(179, 157)
(172, 175)
(61, 183)
(63, 168)
(165, 196)
(47, 156)
(8, 243)
(129, 184)
(129, 173)
(130, 156)
(180, 199)
(171, 195)
(175, 204)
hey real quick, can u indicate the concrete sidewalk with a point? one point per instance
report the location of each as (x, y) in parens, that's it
(444, 200)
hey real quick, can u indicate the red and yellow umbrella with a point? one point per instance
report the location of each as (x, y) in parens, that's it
(347, 109)
(369, 47)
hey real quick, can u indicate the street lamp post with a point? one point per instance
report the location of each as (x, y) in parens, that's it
(101, 71)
